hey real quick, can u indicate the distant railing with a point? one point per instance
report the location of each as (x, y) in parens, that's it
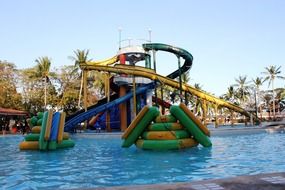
(132, 42)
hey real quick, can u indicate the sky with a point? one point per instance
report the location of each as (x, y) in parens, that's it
(227, 39)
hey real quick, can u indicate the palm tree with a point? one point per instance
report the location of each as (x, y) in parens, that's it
(258, 81)
(198, 103)
(242, 87)
(81, 57)
(272, 72)
(230, 94)
(43, 71)
(267, 98)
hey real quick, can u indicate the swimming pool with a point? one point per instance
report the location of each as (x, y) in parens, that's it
(100, 161)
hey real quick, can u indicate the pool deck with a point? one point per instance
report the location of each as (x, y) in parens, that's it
(271, 181)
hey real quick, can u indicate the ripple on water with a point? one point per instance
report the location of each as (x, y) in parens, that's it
(96, 162)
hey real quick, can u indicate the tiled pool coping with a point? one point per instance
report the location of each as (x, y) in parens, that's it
(269, 181)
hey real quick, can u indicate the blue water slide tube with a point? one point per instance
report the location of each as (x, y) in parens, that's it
(72, 123)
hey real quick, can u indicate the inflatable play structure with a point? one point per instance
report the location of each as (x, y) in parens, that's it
(49, 134)
(134, 89)
(153, 131)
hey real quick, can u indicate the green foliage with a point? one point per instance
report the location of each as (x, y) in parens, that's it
(272, 72)
(9, 97)
(242, 88)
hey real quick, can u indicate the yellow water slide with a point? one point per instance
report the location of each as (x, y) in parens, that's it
(149, 73)
(109, 61)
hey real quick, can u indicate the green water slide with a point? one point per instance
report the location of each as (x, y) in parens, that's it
(179, 52)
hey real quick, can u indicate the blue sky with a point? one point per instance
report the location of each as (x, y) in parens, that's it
(226, 38)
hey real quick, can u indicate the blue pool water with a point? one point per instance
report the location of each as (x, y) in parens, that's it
(100, 161)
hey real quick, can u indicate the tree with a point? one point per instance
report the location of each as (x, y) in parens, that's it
(258, 81)
(9, 97)
(43, 71)
(81, 57)
(272, 72)
(267, 98)
(230, 95)
(32, 90)
(198, 103)
(242, 88)
(68, 89)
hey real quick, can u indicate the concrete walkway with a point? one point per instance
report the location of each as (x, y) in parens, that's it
(271, 181)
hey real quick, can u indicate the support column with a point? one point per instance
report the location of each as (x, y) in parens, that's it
(232, 118)
(205, 111)
(154, 68)
(161, 92)
(123, 109)
(85, 94)
(216, 115)
(85, 90)
(134, 97)
(180, 79)
(107, 94)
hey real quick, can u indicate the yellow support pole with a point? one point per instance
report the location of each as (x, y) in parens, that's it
(85, 94)
(205, 111)
(107, 93)
(85, 89)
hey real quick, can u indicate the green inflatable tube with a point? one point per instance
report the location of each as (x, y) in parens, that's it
(66, 144)
(190, 126)
(166, 144)
(42, 143)
(52, 145)
(152, 113)
(165, 126)
(32, 137)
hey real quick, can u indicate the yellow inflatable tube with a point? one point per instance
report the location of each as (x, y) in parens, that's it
(61, 128)
(135, 122)
(48, 125)
(202, 127)
(29, 145)
(165, 135)
(36, 129)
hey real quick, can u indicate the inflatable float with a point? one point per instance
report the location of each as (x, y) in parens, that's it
(48, 136)
(179, 130)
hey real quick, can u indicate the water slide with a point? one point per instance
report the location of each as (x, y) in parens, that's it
(110, 61)
(166, 80)
(179, 52)
(100, 102)
(113, 86)
(71, 124)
